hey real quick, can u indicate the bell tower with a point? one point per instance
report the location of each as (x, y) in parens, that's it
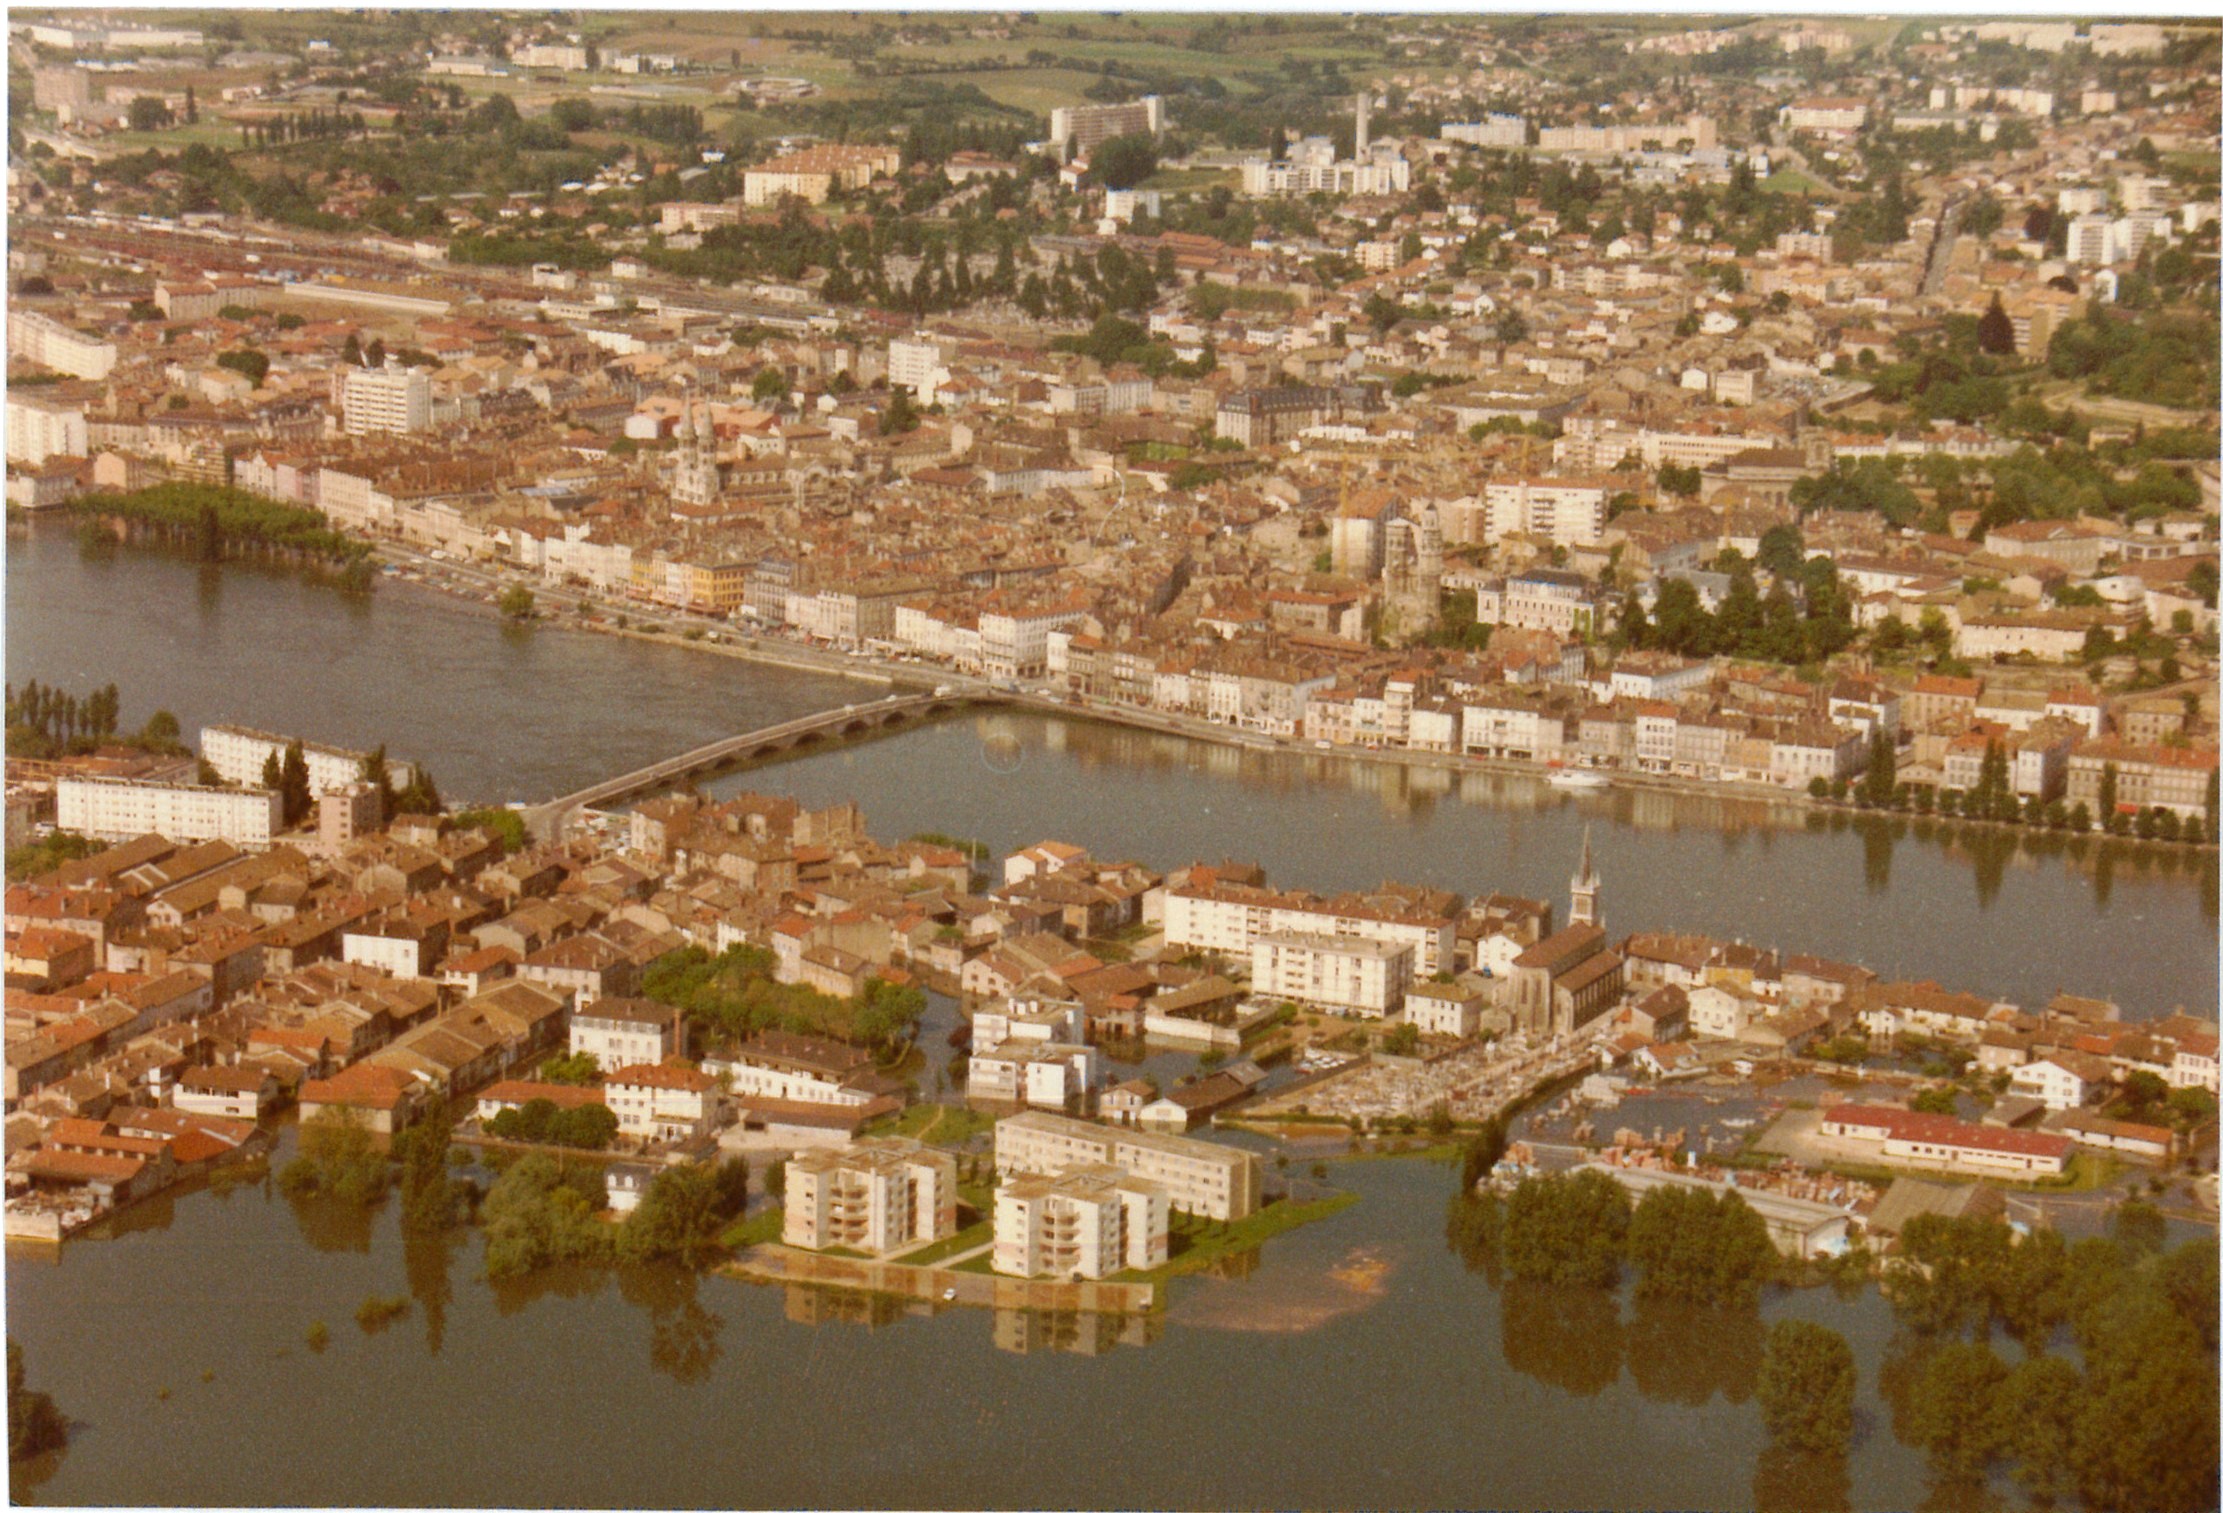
(1582, 901)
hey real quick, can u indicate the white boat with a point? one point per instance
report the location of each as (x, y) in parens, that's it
(1567, 777)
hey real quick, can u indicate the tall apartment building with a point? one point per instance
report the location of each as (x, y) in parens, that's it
(874, 1196)
(1229, 917)
(391, 399)
(1345, 976)
(40, 427)
(1088, 1222)
(48, 342)
(1570, 511)
(119, 809)
(1199, 1177)
(1076, 129)
(238, 753)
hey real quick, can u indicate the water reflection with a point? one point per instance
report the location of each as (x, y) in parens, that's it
(806, 1303)
(425, 1260)
(330, 1225)
(513, 1295)
(1565, 1337)
(1680, 1354)
(1787, 1482)
(1028, 1331)
(682, 1334)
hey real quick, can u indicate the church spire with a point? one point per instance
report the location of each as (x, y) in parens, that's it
(1583, 891)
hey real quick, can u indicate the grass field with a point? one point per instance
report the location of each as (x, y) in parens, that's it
(971, 1237)
(1791, 181)
(757, 1229)
(1197, 1243)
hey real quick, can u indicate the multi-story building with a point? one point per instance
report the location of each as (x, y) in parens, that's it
(816, 172)
(1345, 976)
(1496, 129)
(44, 340)
(1571, 511)
(1089, 1222)
(1076, 130)
(1231, 917)
(628, 1032)
(662, 1102)
(238, 754)
(874, 1196)
(391, 399)
(40, 427)
(118, 809)
(1042, 1074)
(2175, 778)
(1199, 1177)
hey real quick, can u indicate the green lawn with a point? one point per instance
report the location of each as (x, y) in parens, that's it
(938, 1123)
(758, 1229)
(1791, 181)
(1197, 1243)
(968, 1238)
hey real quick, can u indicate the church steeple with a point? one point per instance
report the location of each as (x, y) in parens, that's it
(1582, 907)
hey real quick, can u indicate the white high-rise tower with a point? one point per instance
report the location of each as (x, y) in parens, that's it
(1582, 902)
(1365, 100)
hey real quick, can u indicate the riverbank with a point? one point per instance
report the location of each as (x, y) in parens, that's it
(739, 645)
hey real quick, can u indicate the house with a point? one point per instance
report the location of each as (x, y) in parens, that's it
(235, 1092)
(628, 1032)
(384, 1098)
(2062, 1080)
(625, 1183)
(659, 1103)
(1941, 1141)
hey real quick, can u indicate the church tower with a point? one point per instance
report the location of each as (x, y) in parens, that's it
(695, 470)
(1582, 902)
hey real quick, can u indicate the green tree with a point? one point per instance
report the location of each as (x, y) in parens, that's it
(1951, 1410)
(2035, 1411)
(1566, 1231)
(293, 784)
(684, 1209)
(1682, 482)
(1806, 1388)
(428, 1193)
(336, 1158)
(541, 1212)
(1995, 332)
(1695, 1247)
(516, 603)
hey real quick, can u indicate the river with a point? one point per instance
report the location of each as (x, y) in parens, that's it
(1360, 1362)
(501, 713)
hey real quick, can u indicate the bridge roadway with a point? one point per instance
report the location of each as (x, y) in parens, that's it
(546, 821)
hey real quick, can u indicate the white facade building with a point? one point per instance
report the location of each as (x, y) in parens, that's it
(118, 809)
(1345, 976)
(389, 399)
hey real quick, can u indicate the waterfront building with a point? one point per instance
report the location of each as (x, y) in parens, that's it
(238, 754)
(1044, 1074)
(876, 1196)
(1200, 1177)
(789, 1068)
(1088, 1221)
(1231, 917)
(117, 809)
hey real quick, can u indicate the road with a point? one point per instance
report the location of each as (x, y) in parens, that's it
(1941, 248)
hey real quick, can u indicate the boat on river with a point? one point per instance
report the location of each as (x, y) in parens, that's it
(1581, 782)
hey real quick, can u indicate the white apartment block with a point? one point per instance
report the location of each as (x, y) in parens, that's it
(917, 364)
(39, 428)
(1493, 130)
(1089, 1222)
(118, 809)
(1571, 512)
(1200, 1177)
(1042, 1074)
(390, 399)
(401, 954)
(875, 1196)
(1016, 643)
(238, 753)
(1231, 920)
(49, 343)
(1362, 977)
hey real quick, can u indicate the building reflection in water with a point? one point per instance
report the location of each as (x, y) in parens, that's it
(1026, 1331)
